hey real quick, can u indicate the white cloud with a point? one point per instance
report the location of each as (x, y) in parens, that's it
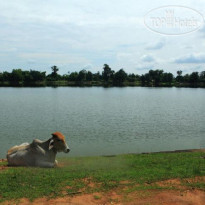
(191, 58)
(147, 58)
(142, 68)
(202, 31)
(156, 46)
(54, 58)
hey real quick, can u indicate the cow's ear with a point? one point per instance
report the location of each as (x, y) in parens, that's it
(51, 144)
(54, 136)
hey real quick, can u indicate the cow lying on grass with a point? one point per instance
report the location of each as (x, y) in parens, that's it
(38, 153)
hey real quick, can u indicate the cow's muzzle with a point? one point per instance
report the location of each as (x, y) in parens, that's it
(67, 150)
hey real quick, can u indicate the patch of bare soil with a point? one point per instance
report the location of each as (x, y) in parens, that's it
(3, 160)
(151, 197)
(179, 195)
(3, 167)
(179, 184)
(168, 197)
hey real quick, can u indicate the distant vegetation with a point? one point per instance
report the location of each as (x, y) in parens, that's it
(107, 77)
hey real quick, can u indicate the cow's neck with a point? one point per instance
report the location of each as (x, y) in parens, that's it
(45, 145)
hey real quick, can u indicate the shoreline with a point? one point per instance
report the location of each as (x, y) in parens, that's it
(98, 84)
(94, 86)
(160, 152)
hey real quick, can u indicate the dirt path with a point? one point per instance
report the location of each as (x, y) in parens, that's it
(153, 197)
(172, 192)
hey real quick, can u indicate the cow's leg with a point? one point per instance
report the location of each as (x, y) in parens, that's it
(56, 163)
(15, 160)
(45, 164)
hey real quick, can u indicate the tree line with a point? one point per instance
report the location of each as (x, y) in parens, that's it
(107, 77)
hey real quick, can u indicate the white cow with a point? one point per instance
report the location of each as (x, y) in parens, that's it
(38, 153)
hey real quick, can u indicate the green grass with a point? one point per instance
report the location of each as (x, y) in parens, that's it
(196, 185)
(75, 174)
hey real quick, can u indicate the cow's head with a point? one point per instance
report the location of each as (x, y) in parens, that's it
(58, 143)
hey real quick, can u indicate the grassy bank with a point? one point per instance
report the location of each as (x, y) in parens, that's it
(94, 174)
(64, 83)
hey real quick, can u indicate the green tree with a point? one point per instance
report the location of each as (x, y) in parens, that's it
(26, 76)
(97, 76)
(112, 75)
(89, 76)
(186, 78)
(142, 79)
(17, 75)
(82, 75)
(107, 72)
(54, 75)
(156, 76)
(37, 76)
(147, 79)
(6, 76)
(73, 76)
(1, 77)
(65, 77)
(202, 76)
(55, 70)
(179, 72)
(194, 78)
(179, 77)
(132, 77)
(167, 78)
(120, 76)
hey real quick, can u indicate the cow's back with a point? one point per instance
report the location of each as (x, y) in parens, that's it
(16, 148)
(17, 155)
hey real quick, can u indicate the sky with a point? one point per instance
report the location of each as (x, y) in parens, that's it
(86, 34)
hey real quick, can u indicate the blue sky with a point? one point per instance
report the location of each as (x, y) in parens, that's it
(85, 34)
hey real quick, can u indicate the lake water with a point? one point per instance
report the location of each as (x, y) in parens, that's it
(104, 121)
